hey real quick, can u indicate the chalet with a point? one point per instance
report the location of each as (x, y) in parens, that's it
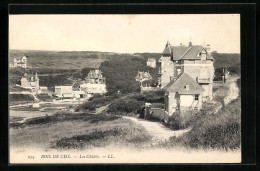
(194, 60)
(20, 62)
(143, 76)
(151, 62)
(186, 75)
(29, 81)
(94, 83)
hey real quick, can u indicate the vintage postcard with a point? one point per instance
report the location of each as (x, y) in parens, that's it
(160, 88)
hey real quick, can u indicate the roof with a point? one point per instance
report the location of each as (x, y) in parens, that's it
(184, 52)
(167, 50)
(143, 75)
(180, 83)
(96, 73)
(29, 76)
(151, 60)
(19, 57)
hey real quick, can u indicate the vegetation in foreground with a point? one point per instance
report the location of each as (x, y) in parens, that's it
(78, 131)
(218, 131)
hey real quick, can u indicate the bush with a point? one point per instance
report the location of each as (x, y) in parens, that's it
(95, 96)
(126, 106)
(219, 131)
(20, 97)
(95, 103)
(150, 97)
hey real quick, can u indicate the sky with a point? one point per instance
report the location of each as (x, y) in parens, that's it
(123, 33)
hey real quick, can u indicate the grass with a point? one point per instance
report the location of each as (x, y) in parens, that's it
(44, 97)
(20, 97)
(218, 131)
(77, 131)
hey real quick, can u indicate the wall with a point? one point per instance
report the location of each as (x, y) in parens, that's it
(186, 100)
(93, 88)
(25, 83)
(167, 68)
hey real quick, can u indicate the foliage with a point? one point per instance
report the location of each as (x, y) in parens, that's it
(51, 81)
(120, 74)
(126, 106)
(150, 97)
(20, 97)
(96, 103)
(95, 96)
(229, 61)
(221, 130)
(44, 97)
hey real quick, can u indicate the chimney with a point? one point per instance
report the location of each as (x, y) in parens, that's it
(178, 71)
(187, 87)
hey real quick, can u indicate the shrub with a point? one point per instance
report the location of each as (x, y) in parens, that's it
(221, 130)
(21, 97)
(126, 106)
(95, 103)
(95, 96)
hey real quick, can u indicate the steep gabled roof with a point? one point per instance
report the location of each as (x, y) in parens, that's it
(167, 50)
(179, 85)
(143, 75)
(193, 52)
(94, 74)
(151, 60)
(188, 52)
(178, 51)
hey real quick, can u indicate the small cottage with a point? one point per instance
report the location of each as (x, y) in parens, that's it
(182, 94)
(151, 62)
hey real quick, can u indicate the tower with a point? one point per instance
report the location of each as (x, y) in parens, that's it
(167, 66)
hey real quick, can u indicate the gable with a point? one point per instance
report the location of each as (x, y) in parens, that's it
(188, 52)
(179, 85)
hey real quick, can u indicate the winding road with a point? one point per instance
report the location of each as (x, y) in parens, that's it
(157, 130)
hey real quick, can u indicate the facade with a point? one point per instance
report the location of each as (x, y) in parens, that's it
(43, 90)
(67, 92)
(29, 81)
(143, 76)
(64, 91)
(94, 83)
(192, 60)
(20, 62)
(151, 62)
(95, 77)
(182, 94)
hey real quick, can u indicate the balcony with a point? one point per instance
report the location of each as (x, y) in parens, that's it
(203, 80)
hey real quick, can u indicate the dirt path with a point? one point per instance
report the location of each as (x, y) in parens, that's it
(233, 91)
(158, 131)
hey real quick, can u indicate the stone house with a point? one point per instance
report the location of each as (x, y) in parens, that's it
(29, 81)
(151, 62)
(20, 62)
(195, 61)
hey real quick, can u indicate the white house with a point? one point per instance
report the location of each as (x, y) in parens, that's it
(20, 62)
(151, 62)
(182, 94)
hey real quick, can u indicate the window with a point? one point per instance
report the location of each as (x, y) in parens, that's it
(196, 97)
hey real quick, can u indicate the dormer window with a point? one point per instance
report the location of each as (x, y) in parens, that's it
(187, 87)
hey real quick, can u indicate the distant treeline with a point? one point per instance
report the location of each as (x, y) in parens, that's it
(230, 61)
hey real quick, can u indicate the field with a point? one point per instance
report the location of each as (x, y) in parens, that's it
(79, 131)
(64, 59)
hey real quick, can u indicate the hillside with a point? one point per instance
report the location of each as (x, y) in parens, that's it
(64, 59)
